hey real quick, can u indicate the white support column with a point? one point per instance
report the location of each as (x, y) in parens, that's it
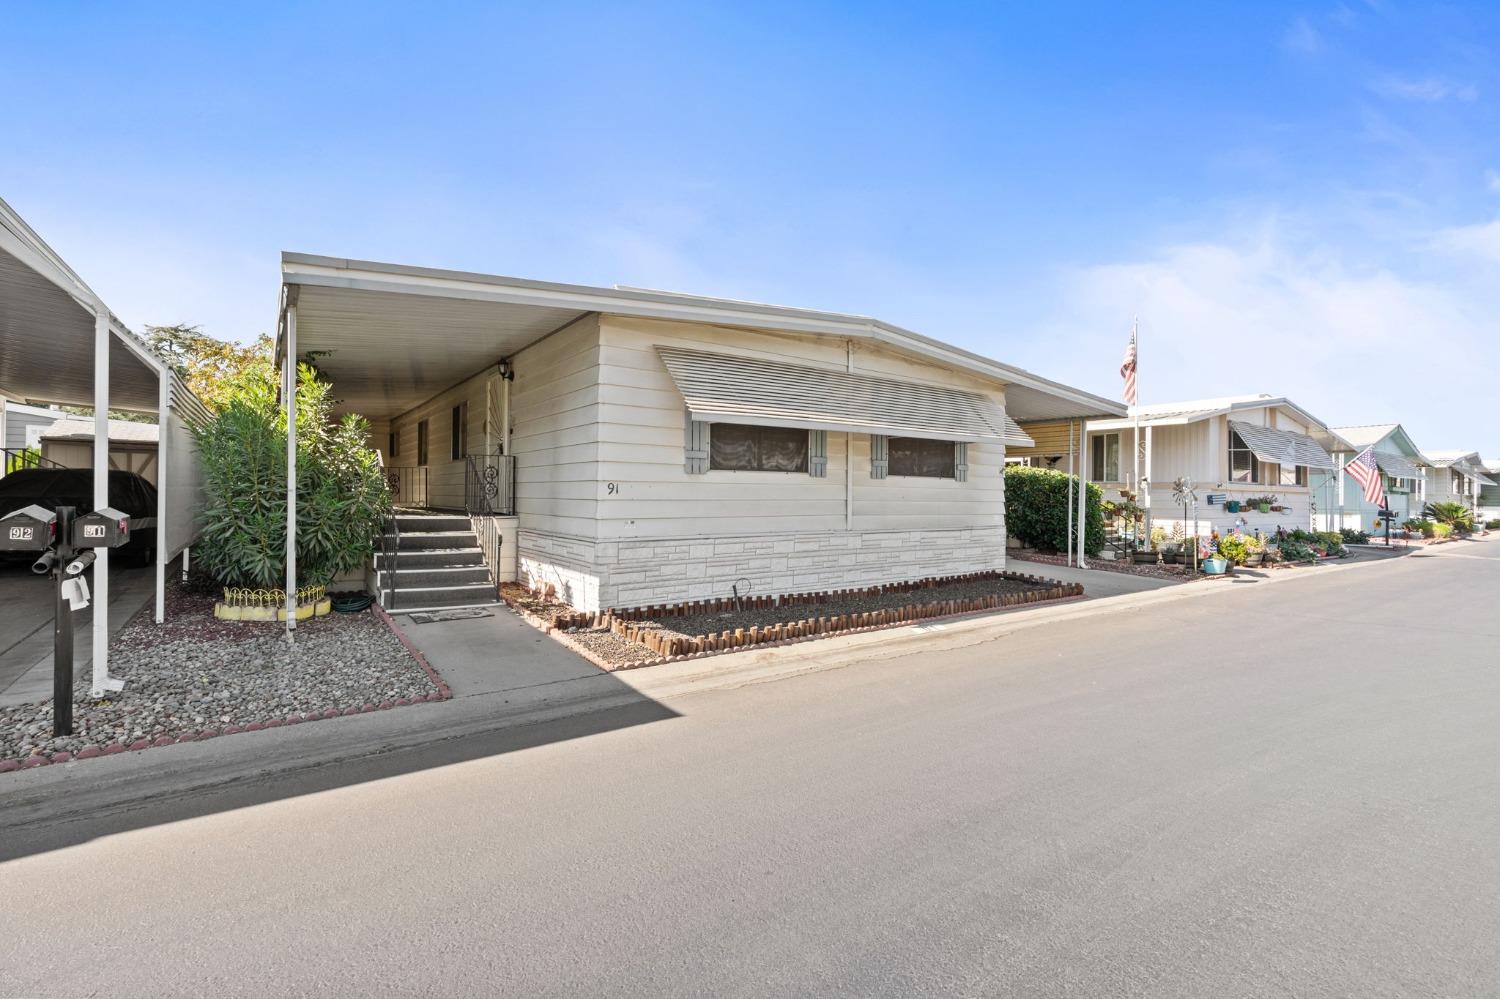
(164, 401)
(1071, 483)
(103, 683)
(1145, 498)
(289, 373)
(1083, 491)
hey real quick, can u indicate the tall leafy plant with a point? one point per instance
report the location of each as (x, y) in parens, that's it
(1036, 509)
(1456, 515)
(342, 498)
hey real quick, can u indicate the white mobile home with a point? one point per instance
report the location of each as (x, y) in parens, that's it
(1489, 493)
(1457, 477)
(1235, 451)
(632, 447)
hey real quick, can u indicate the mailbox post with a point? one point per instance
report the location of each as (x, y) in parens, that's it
(65, 545)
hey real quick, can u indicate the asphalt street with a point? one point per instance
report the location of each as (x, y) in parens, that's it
(1284, 790)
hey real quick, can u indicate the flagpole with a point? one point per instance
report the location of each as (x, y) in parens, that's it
(1135, 443)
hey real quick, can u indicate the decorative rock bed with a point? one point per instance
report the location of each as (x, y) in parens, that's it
(195, 677)
(646, 636)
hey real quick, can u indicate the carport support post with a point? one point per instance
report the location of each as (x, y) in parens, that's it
(103, 682)
(1083, 490)
(289, 372)
(163, 400)
(1070, 493)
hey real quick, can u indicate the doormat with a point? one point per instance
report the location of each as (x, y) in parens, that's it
(458, 614)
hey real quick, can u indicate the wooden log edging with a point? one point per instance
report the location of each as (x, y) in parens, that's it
(633, 623)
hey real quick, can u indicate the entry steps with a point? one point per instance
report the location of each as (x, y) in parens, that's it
(436, 564)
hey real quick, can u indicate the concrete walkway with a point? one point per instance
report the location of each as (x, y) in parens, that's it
(493, 654)
(26, 627)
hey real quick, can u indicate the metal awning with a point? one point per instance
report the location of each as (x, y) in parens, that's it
(728, 388)
(1282, 446)
(1396, 466)
(391, 336)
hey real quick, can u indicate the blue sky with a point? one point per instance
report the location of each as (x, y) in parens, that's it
(1302, 199)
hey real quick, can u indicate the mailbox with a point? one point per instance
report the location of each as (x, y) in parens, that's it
(29, 529)
(106, 527)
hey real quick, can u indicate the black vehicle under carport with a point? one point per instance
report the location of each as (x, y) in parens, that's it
(51, 488)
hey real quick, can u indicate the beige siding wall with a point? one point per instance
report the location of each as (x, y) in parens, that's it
(610, 517)
(641, 450)
(445, 476)
(555, 431)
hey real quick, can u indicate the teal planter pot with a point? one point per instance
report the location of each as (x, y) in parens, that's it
(1215, 566)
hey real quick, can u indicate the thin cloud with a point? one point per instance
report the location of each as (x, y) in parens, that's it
(1270, 311)
(1428, 90)
(1492, 180)
(1302, 38)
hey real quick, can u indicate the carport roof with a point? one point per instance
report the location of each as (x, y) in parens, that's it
(47, 330)
(395, 335)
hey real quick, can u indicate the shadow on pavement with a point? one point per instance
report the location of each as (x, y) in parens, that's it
(83, 808)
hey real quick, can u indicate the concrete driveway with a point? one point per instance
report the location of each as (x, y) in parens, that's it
(26, 604)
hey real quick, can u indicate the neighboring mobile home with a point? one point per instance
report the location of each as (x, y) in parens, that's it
(633, 447)
(1402, 463)
(1489, 493)
(1457, 477)
(1234, 450)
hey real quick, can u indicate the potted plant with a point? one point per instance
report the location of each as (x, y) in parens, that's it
(1231, 506)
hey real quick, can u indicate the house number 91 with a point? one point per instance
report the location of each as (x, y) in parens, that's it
(612, 488)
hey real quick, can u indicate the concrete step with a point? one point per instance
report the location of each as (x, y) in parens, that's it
(466, 595)
(432, 558)
(423, 523)
(432, 539)
(406, 577)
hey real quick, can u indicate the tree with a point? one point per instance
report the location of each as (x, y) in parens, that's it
(211, 368)
(342, 498)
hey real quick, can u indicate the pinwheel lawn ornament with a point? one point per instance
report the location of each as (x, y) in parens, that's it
(1183, 492)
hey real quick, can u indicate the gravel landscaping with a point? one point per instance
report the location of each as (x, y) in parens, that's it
(196, 677)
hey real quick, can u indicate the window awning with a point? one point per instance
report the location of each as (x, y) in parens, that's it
(725, 388)
(1282, 446)
(1397, 466)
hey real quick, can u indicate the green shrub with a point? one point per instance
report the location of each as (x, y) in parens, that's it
(1297, 551)
(1238, 548)
(1492, 525)
(1333, 543)
(1459, 518)
(1036, 509)
(1441, 530)
(342, 498)
(1354, 537)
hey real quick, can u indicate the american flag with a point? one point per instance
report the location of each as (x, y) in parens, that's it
(1367, 473)
(1127, 371)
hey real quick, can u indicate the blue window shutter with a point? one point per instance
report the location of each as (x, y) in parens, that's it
(817, 453)
(696, 461)
(880, 452)
(961, 461)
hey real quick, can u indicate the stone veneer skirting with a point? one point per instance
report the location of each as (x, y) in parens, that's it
(593, 575)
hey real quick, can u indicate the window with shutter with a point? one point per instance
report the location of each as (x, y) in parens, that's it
(880, 451)
(961, 461)
(919, 457)
(738, 447)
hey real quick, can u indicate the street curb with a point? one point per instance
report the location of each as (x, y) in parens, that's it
(92, 751)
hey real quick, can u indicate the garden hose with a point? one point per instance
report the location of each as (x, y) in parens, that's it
(352, 603)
